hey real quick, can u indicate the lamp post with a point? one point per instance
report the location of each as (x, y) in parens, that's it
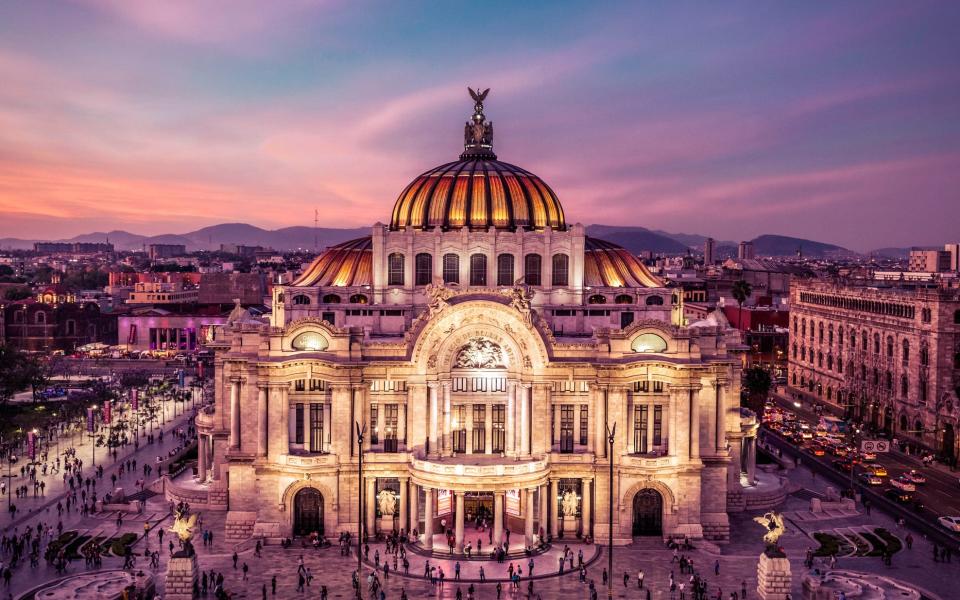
(93, 438)
(611, 434)
(360, 431)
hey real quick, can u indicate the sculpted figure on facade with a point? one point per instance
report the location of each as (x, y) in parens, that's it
(437, 296)
(569, 504)
(387, 501)
(520, 299)
(480, 353)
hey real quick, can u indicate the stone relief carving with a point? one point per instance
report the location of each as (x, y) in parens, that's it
(569, 504)
(480, 353)
(387, 501)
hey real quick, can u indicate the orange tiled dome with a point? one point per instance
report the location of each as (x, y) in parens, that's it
(346, 264)
(606, 264)
(478, 193)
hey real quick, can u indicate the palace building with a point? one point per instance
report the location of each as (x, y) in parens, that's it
(485, 345)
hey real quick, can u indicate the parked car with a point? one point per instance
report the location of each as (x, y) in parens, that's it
(951, 523)
(915, 476)
(902, 483)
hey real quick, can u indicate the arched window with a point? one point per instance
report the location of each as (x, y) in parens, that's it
(903, 422)
(820, 359)
(395, 269)
(451, 268)
(803, 327)
(803, 353)
(561, 270)
(922, 388)
(532, 265)
(865, 339)
(71, 326)
(423, 266)
(796, 326)
(830, 334)
(654, 301)
(829, 362)
(649, 342)
(840, 336)
(889, 347)
(924, 355)
(820, 332)
(597, 299)
(853, 339)
(904, 385)
(358, 299)
(478, 269)
(794, 349)
(310, 341)
(794, 379)
(888, 381)
(331, 299)
(839, 365)
(906, 351)
(301, 299)
(918, 428)
(505, 269)
(876, 343)
(40, 318)
(18, 317)
(623, 299)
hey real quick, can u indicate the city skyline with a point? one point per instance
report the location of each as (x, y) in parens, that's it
(813, 122)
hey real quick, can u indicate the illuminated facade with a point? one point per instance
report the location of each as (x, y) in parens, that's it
(485, 344)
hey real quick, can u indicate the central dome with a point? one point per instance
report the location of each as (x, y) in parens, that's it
(478, 191)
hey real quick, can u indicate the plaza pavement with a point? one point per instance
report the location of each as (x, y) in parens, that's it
(738, 561)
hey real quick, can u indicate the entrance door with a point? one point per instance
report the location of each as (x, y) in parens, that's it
(307, 512)
(888, 421)
(478, 504)
(948, 442)
(648, 513)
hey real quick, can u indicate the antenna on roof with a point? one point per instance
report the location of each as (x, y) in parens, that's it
(316, 230)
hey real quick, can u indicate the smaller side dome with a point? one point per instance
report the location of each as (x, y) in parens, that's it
(609, 265)
(346, 264)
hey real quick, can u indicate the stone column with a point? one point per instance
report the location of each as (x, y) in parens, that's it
(235, 413)
(341, 421)
(458, 529)
(542, 509)
(370, 500)
(585, 507)
(736, 464)
(402, 521)
(468, 426)
(488, 429)
(262, 422)
(414, 508)
(202, 458)
(721, 417)
(447, 419)
(428, 503)
(552, 504)
(511, 409)
(600, 421)
(694, 394)
(752, 460)
(498, 517)
(525, 393)
(434, 419)
(528, 520)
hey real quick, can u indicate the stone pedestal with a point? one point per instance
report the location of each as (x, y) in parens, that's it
(385, 524)
(569, 526)
(181, 577)
(773, 578)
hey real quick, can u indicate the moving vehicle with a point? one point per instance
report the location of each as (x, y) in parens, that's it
(951, 523)
(870, 479)
(915, 476)
(842, 465)
(868, 455)
(878, 470)
(902, 483)
(898, 496)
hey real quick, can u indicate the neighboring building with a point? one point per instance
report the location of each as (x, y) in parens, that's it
(241, 250)
(765, 333)
(708, 246)
(889, 356)
(954, 250)
(441, 332)
(160, 251)
(929, 261)
(227, 288)
(72, 247)
(158, 330)
(40, 327)
(162, 293)
(745, 251)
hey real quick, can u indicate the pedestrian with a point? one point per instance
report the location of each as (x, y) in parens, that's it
(743, 588)
(640, 576)
(909, 540)
(626, 579)
(245, 569)
(716, 568)
(235, 558)
(273, 585)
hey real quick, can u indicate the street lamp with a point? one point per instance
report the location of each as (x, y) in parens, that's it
(360, 431)
(611, 434)
(93, 437)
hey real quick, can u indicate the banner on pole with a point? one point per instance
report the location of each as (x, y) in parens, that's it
(89, 420)
(134, 399)
(106, 412)
(32, 445)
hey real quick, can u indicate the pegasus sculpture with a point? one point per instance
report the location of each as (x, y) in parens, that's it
(183, 526)
(773, 523)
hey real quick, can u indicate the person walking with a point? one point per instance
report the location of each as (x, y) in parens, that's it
(716, 568)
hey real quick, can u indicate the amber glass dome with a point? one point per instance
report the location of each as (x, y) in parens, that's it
(478, 193)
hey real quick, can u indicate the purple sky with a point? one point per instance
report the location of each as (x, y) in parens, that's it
(832, 121)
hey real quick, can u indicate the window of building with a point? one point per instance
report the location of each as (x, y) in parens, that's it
(584, 424)
(374, 423)
(889, 347)
(865, 342)
(796, 326)
(561, 268)
(839, 365)
(479, 428)
(331, 299)
(888, 381)
(597, 299)
(423, 266)
(71, 327)
(820, 332)
(803, 328)
(623, 299)
(640, 415)
(905, 355)
(794, 350)
(566, 428)
(829, 362)
(391, 417)
(532, 265)
(316, 427)
(922, 388)
(853, 339)
(40, 318)
(626, 318)
(904, 385)
(924, 355)
(478, 269)
(460, 428)
(359, 299)
(499, 433)
(301, 299)
(926, 315)
(820, 359)
(840, 336)
(830, 334)
(876, 376)
(658, 425)
(451, 268)
(395, 269)
(654, 301)
(505, 269)
(329, 317)
(298, 423)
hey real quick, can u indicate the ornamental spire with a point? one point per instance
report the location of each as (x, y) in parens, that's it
(478, 132)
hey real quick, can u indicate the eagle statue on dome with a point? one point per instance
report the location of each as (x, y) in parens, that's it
(478, 131)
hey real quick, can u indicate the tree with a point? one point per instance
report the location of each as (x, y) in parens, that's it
(756, 384)
(17, 293)
(15, 372)
(740, 291)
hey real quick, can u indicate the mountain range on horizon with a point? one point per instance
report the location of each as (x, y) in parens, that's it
(634, 238)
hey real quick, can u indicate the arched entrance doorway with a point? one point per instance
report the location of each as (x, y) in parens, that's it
(949, 439)
(888, 421)
(647, 513)
(307, 512)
